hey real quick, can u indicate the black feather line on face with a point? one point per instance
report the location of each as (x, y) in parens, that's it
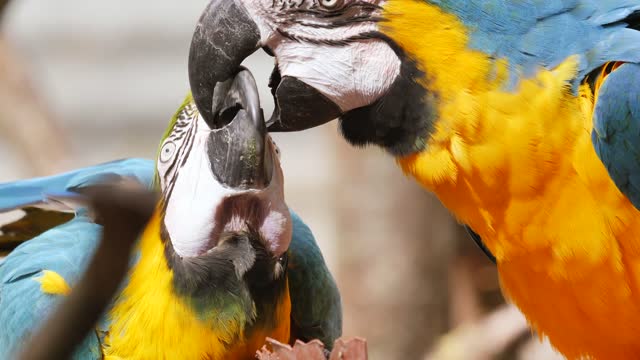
(337, 23)
(329, 42)
(319, 12)
(186, 118)
(350, 14)
(402, 119)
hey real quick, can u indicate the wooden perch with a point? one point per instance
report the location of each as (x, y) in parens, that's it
(343, 349)
(484, 339)
(124, 214)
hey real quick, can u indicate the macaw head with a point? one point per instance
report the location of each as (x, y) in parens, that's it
(224, 220)
(334, 59)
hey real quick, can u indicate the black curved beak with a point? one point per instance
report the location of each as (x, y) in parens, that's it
(237, 143)
(298, 106)
(224, 37)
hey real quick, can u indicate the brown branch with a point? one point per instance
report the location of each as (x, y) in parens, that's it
(483, 339)
(124, 214)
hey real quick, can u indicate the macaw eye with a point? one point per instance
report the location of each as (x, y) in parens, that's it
(167, 151)
(331, 4)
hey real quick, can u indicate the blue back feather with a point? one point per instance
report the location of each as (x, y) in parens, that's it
(616, 133)
(37, 190)
(65, 249)
(535, 33)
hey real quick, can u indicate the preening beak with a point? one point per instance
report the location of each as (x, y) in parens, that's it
(224, 37)
(237, 152)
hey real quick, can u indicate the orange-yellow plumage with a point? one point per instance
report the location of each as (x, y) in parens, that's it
(519, 167)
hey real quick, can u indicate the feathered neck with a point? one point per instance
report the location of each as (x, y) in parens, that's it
(150, 321)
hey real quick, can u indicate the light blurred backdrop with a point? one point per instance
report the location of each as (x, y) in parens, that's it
(83, 82)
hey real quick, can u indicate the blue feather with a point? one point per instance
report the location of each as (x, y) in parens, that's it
(542, 33)
(616, 129)
(34, 191)
(316, 308)
(65, 249)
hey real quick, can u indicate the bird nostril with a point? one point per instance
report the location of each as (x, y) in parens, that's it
(226, 116)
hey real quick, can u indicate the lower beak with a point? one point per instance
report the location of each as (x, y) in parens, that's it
(236, 144)
(299, 106)
(224, 37)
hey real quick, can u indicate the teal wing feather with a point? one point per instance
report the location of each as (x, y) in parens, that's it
(616, 132)
(41, 190)
(316, 308)
(65, 249)
(39, 198)
(543, 33)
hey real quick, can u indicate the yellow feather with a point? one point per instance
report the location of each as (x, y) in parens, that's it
(53, 283)
(520, 169)
(150, 322)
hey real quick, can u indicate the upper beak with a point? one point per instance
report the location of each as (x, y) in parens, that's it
(236, 145)
(224, 37)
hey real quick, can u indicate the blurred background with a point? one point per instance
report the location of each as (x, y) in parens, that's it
(88, 82)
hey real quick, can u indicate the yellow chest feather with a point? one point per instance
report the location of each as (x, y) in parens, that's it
(150, 322)
(520, 169)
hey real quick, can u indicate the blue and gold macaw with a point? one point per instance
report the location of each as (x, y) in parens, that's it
(522, 116)
(222, 264)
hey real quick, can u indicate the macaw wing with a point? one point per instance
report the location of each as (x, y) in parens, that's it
(61, 241)
(316, 309)
(25, 301)
(534, 34)
(616, 128)
(38, 205)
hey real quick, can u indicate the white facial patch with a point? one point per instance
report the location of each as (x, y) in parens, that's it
(194, 195)
(190, 213)
(351, 76)
(307, 45)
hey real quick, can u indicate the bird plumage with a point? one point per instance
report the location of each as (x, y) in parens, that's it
(64, 249)
(512, 154)
(166, 307)
(490, 104)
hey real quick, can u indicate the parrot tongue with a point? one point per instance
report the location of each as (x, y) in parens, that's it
(236, 144)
